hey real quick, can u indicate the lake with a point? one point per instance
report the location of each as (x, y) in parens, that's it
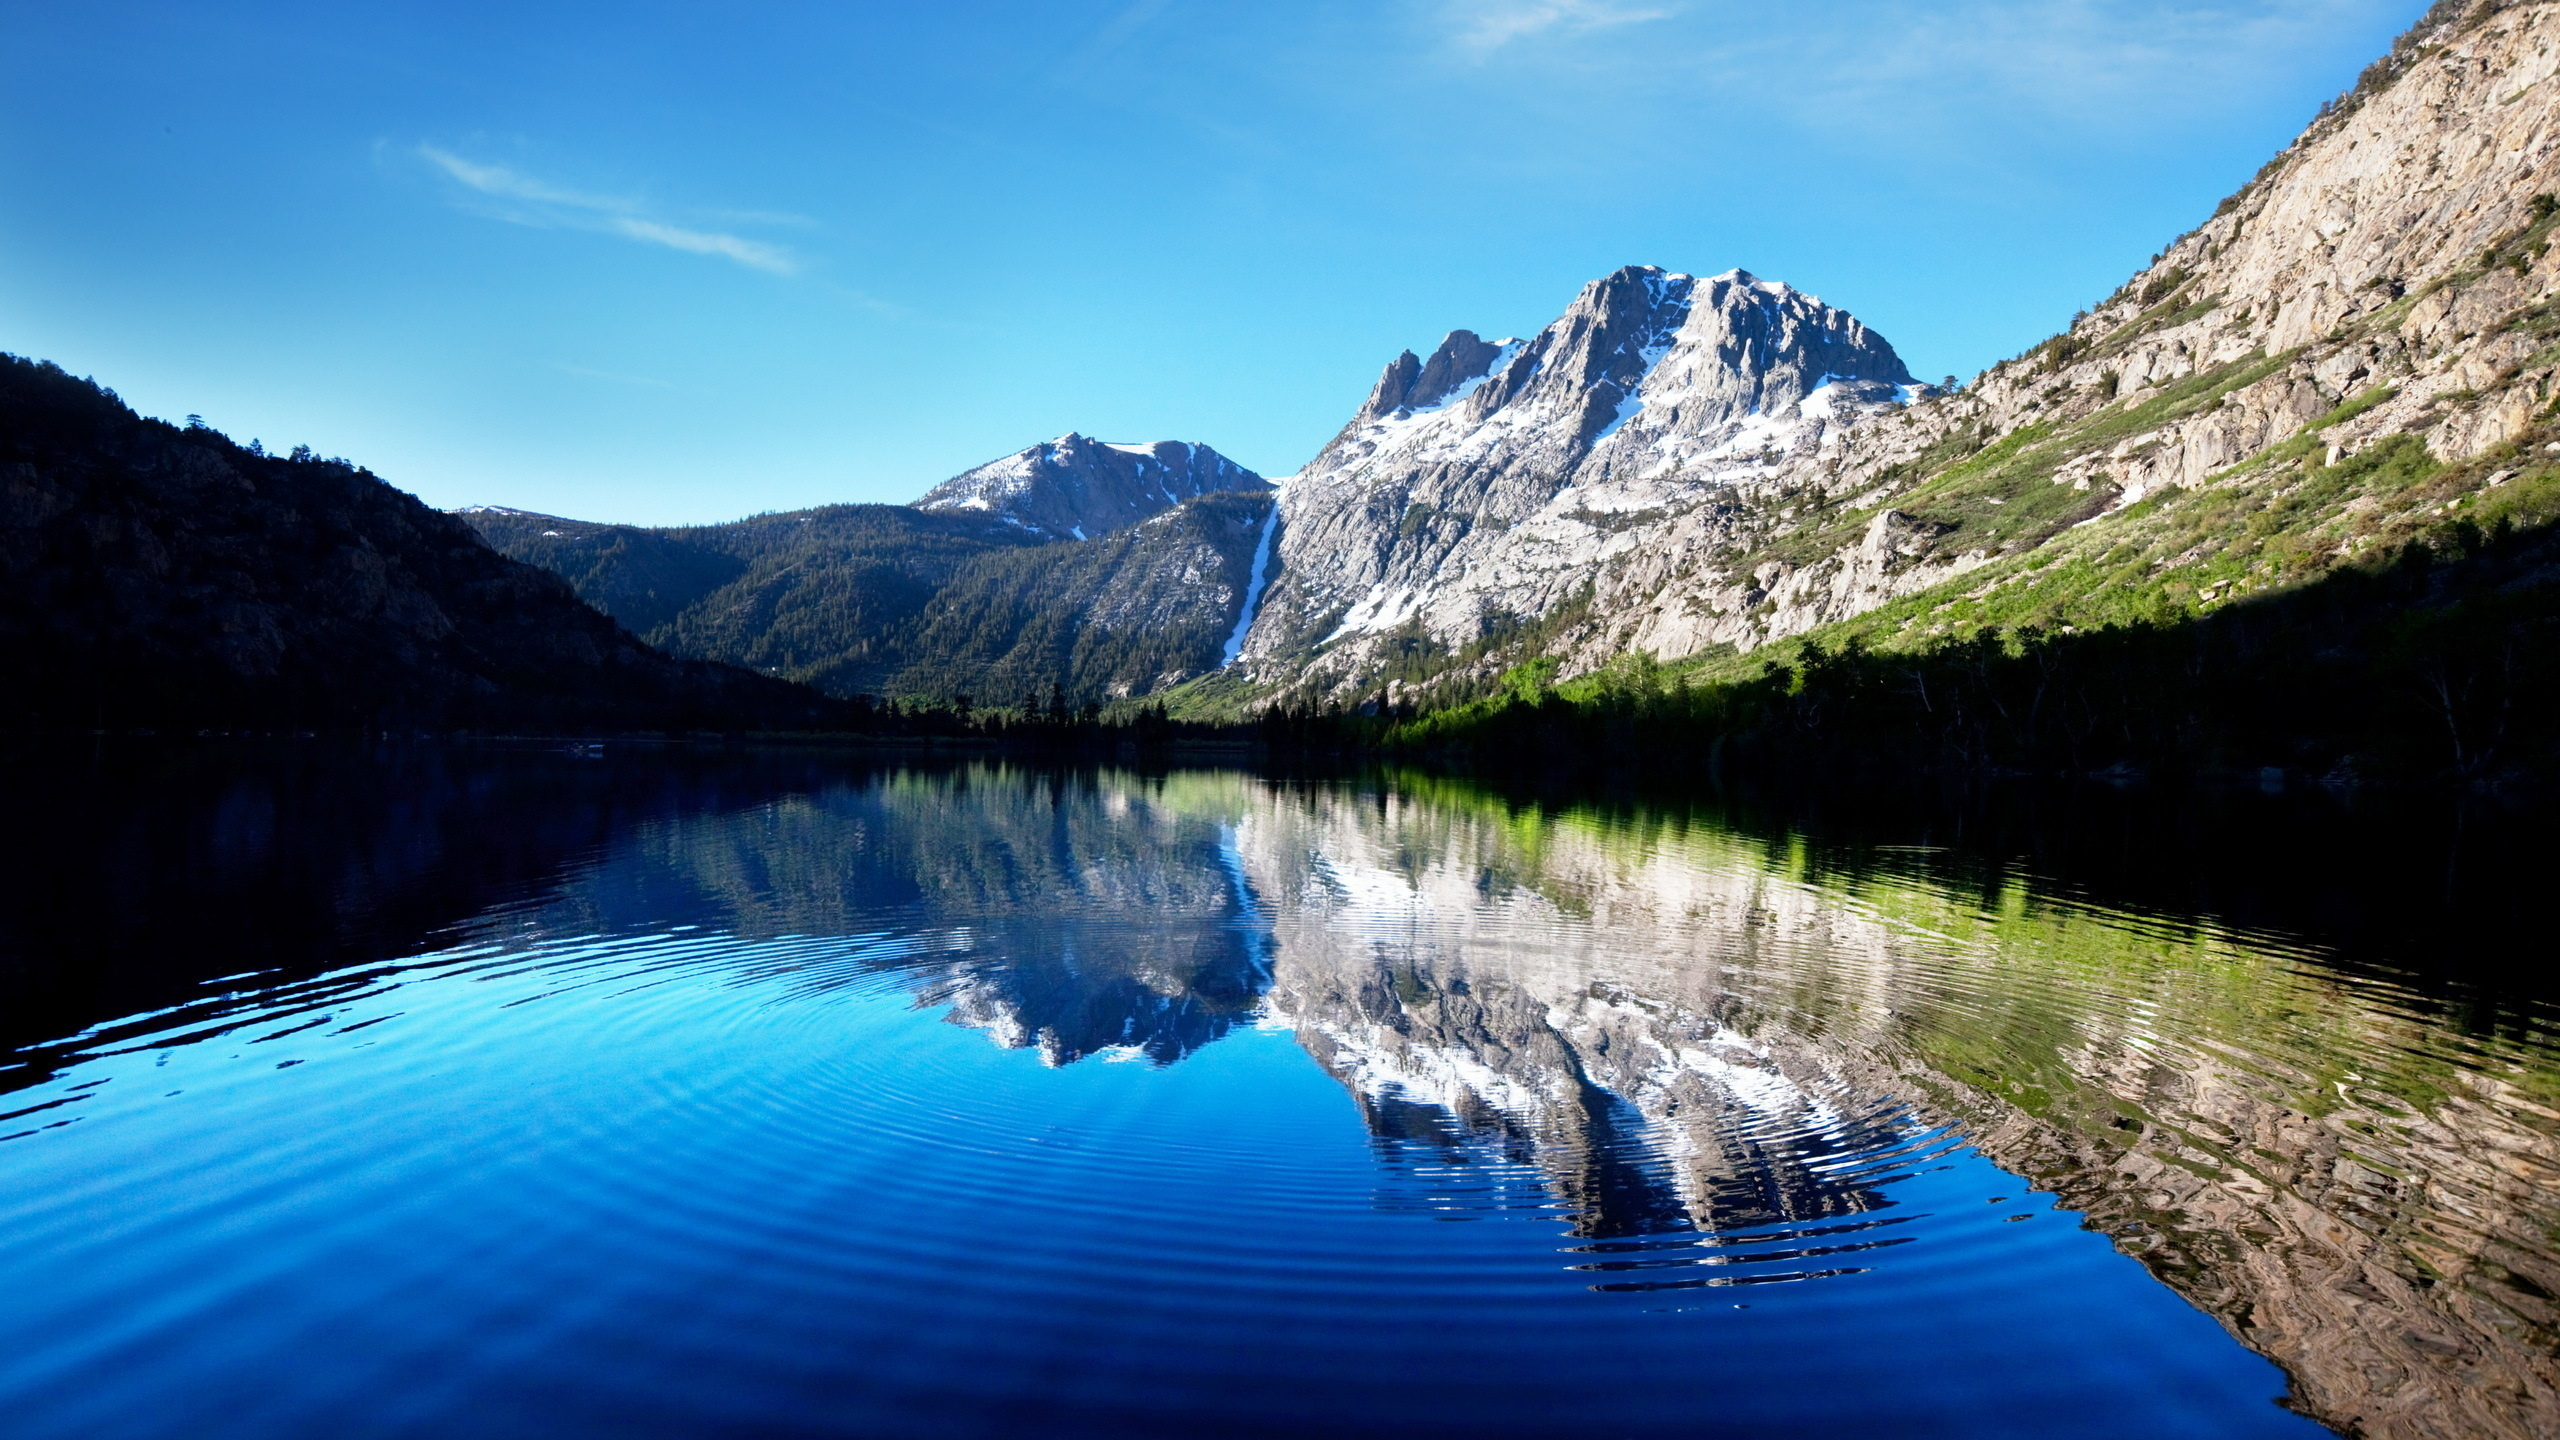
(432, 1090)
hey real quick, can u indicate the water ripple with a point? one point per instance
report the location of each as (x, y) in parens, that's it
(933, 1108)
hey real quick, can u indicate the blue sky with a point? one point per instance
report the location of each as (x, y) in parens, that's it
(671, 262)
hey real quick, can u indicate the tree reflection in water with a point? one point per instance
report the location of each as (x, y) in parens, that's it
(1708, 1049)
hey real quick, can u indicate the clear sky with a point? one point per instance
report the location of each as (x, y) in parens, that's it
(667, 262)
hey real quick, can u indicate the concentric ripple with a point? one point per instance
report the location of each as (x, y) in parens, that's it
(990, 1105)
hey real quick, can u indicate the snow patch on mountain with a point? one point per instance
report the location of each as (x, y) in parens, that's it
(1651, 356)
(1253, 588)
(1075, 487)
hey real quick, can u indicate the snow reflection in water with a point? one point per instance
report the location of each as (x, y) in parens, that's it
(665, 1143)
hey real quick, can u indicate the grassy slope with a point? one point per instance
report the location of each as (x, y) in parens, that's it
(2275, 522)
(2278, 520)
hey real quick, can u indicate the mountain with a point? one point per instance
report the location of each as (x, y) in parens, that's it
(1077, 488)
(158, 577)
(1104, 571)
(2350, 364)
(1124, 616)
(2353, 354)
(784, 594)
(1481, 488)
(643, 578)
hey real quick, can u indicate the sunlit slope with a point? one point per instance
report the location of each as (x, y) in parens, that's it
(2354, 352)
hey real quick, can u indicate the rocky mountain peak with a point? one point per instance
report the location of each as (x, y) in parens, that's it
(1668, 356)
(1651, 381)
(1776, 345)
(1076, 487)
(1410, 384)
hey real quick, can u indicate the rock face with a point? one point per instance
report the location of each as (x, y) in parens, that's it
(1075, 488)
(1684, 466)
(1457, 498)
(157, 577)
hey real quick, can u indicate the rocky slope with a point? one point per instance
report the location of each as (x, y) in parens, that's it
(2355, 349)
(158, 577)
(1075, 488)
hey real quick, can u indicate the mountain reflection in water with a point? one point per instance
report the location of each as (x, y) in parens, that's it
(1681, 1059)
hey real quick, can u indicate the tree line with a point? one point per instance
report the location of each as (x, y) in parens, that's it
(2441, 666)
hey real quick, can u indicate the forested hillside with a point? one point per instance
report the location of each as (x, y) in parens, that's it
(1125, 616)
(784, 594)
(152, 576)
(904, 603)
(643, 578)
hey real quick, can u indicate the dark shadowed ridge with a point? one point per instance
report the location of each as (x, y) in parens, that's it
(157, 577)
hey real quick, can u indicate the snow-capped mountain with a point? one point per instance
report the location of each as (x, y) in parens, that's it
(1480, 486)
(1076, 487)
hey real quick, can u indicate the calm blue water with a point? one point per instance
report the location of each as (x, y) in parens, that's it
(994, 1103)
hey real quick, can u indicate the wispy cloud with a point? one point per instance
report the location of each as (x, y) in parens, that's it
(1911, 75)
(753, 253)
(531, 201)
(1480, 27)
(2100, 67)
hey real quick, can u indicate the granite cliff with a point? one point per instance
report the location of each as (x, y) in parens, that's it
(1479, 489)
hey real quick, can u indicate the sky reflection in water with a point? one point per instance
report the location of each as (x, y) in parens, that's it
(1309, 1109)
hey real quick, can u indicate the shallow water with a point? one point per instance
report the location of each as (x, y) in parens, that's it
(439, 1092)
